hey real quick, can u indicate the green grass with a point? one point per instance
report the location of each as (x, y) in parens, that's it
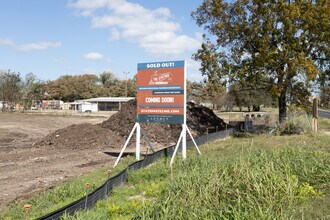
(260, 177)
(324, 124)
(59, 196)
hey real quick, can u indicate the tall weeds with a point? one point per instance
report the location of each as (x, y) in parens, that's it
(258, 184)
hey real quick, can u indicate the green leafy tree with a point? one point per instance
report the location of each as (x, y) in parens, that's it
(32, 91)
(123, 87)
(108, 79)
(200, 92)
(325, 96)
(287, 41)
(70, 88)
(227, 100)
(195, 91)
(214, 89)
(325, 91)
(10, 89)
(131, 87)
(247, 94)
(116, 87)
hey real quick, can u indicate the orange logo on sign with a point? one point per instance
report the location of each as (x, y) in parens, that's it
(160, 78)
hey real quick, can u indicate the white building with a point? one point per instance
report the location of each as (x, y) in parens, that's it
(99, 104)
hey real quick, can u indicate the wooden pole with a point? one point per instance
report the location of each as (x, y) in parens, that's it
(315, 115)
(27, 207)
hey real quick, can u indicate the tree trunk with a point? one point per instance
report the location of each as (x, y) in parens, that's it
(282, 107)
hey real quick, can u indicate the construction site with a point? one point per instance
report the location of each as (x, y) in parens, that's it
(41, 151)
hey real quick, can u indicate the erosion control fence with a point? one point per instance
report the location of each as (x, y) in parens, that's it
(101, 192)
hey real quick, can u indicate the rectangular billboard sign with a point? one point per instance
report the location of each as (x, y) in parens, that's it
(161, 92)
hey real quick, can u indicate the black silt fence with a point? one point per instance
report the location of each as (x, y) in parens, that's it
(102, 192)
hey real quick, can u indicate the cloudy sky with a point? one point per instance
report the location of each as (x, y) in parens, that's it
(58, 37)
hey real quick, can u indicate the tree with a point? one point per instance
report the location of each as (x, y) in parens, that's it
(32, 91)
(227, 100)
(200, 92)
(325, 97)
(247, 94)
(287, 41)
(119, 89)
(195, 92)
(108, 79)
(325, 90)
(70, 88)
(131, 87)
(325, 94)
(214, 89)
(10, 87)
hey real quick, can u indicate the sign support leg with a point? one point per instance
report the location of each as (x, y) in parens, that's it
(144, 135)
(184, 144)
(138, 135)
(192, 138)
(176, 149)
(184, 141)
(124, 147)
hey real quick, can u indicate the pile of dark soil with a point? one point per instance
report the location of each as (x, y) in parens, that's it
(114, 131)
(123, 121)
(81, 136)
(200, 119)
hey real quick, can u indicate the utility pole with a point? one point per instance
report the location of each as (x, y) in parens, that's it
(126, 83)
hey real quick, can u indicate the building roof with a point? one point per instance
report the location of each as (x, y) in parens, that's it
(107, 99)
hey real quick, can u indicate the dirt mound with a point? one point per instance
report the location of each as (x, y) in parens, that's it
(199, 119)
(81, 136)
(114, 131)
(123, 121)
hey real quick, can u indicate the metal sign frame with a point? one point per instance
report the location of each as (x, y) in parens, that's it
(165, 88)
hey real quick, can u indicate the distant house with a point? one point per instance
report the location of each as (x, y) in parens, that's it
(99, 104)
(52, 104)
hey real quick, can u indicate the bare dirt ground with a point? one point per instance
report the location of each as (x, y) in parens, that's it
(39, 151)
(25, 168)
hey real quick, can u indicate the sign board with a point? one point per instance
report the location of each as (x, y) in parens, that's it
(161, 92)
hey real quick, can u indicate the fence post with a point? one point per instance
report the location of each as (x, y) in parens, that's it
(246, 123)
(107, 185)
(315, 115)
(27, 207)
(86, 200)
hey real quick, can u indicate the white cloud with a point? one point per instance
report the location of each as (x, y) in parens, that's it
(153, 30)
(44, 45)
(38, 46)
(7, 42)
(93, 56)
(115, 35)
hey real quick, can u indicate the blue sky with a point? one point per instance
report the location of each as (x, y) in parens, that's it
(51, 38)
